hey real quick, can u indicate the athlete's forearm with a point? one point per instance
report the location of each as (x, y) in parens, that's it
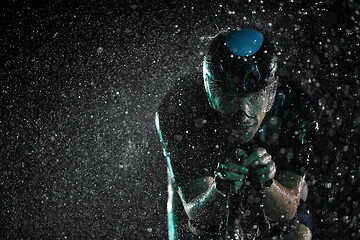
(209, 207)
(280, 202)
(298, 232)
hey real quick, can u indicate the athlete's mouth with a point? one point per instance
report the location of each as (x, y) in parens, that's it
(244, 127)
(238, 124)
(245, 124)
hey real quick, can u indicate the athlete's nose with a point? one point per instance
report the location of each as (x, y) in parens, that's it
(242, 116)
(243, 111)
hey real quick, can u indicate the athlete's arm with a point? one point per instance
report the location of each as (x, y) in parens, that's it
(204, 199)
(298, 232)
(282, 198)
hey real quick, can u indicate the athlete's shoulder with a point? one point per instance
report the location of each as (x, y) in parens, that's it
(295, 107)
(183, 123)
(184, 101)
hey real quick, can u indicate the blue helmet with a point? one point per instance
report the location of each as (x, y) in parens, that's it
(243, 60)
(241, 63)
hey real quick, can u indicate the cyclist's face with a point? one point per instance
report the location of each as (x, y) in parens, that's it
(242, 114)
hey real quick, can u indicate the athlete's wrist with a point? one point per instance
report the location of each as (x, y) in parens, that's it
(268, 182)
(221, 188)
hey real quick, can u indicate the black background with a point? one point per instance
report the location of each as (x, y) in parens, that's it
(80, 83)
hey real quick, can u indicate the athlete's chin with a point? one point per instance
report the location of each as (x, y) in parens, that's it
(244, 137)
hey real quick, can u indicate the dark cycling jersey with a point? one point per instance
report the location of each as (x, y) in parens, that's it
(194, 142)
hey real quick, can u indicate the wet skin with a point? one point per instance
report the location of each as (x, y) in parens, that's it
(242, 126)
(240, 115)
